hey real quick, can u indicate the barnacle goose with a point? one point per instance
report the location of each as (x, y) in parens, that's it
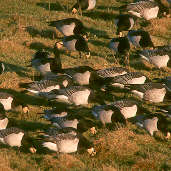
(10, 102)
(61, 120)
(77, 95)
(75, 43)
(159, 56)
(61, 140)
(140, 38)
(3, 118)
(108, 114)
(120, 46)
(68, 26)
(11, 136)
(128, 78)
(83, 5)
(153, 92)
(147, 9)
(123, 22)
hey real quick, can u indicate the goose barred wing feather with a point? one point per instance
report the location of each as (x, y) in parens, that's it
(4, 95)
(8, 131)
(111, 72)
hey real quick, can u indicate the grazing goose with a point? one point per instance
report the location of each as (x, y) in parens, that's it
(165, 110)
(166, 81)
(45, 65)
(129, 78)
(150, 124)
(159, 56)
(51, 83)
(64, 140)
(68, 26)
(123, 22)
(108, 114)
(75, 43)
(111, 72)
(3, 118)
(128, 108)
(154, 123)
(120, 46)
(10, 102)
(144, 9)
(2, 67)
(61, 120)
(153, 92)
(140, 38)
(77, 95)
(84, 5)
(11, 136)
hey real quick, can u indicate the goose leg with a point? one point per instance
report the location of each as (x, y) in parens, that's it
(80, 54)
(115, 56)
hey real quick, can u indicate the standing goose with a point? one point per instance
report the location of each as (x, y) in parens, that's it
(68, 26)
(152, 92)
(75, 43)
(2, 67)
(159, 56)
(127, 107)
(77, 95)
(83, 5)
(140, 38)
(3, 118)
(147, 9)
(108, 114)
(123, 22)
(10, 102)
(64, 140)
(129, 78)
(11, 136)
(120, 46)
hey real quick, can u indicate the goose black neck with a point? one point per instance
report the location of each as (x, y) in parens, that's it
(57, 58)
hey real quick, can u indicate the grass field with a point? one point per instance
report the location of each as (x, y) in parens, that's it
(23, 31)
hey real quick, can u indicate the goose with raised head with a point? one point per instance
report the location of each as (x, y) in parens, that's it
(10, 102)
(152, 92)
(46, 65)
(123, 22)
(83, 5)
(75, 43)
(140, 38)
(147, 9)
(159, 56)
(68, 26)
(77, 95)
(11, 136)
(120, 46)
(64, 140)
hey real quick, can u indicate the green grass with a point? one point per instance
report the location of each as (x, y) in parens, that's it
(23, 31)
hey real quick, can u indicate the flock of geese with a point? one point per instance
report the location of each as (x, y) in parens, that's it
(83, 84)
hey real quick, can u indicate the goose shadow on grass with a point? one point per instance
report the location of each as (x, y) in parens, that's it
(49, 33)
(27, 99)
(106, 16)
(19, 70)
(51, 6)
